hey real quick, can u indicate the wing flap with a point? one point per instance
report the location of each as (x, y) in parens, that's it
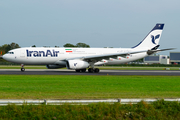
(96, 58)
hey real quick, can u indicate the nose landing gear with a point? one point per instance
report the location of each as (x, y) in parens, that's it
(22, 68)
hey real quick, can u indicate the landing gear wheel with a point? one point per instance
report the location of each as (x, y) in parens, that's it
(83, 70)
(96, 70)
(90, 70)
(22, 69)
(77, 70)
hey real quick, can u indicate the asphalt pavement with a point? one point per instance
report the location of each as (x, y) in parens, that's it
(102, 72)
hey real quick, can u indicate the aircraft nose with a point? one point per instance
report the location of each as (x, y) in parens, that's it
(7, 57)
(3, 56)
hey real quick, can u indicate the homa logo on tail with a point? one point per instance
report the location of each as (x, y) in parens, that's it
(154, 38)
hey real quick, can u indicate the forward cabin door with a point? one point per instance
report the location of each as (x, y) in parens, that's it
(22, 53)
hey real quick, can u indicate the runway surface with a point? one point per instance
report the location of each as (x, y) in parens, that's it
(102, 72)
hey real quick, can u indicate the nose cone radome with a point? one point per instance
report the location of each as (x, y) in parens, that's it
(8, 57)
(4, 57)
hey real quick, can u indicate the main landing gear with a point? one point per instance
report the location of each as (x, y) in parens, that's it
(90, 70)
(81, 70)
(22, 68)
(95, 70)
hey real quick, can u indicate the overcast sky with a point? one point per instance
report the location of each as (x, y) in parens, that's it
(98, 23)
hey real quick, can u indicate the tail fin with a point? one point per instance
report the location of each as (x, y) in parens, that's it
(151, 41)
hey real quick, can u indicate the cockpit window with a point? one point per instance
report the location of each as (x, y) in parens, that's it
(10, 52)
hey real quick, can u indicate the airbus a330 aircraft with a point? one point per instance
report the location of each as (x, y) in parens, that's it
(81, 58)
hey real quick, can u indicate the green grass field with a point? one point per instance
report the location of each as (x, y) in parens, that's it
(19, 67)
(88, 87)
(139, 68)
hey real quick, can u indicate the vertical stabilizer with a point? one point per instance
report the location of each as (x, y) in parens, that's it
(151, 41)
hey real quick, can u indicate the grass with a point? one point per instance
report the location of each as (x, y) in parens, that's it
(88, 87)
(159, 110)
(19, 67)
(138, 68)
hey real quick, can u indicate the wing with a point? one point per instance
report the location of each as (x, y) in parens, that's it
(96, 58)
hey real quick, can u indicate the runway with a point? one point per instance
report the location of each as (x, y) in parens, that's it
(102, 72)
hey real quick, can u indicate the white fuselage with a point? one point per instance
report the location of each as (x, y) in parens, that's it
(81, 58)
(45, 56)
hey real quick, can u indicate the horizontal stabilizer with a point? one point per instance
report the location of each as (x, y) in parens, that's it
(149, 52)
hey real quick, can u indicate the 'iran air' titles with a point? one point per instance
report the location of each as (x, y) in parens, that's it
(47, 53)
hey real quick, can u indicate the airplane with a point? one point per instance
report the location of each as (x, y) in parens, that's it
(79, 59)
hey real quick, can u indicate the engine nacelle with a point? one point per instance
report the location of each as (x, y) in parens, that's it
(77, 64)
(54, 66)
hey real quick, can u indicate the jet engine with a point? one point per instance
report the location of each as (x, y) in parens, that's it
(54, 66)
(76, 64)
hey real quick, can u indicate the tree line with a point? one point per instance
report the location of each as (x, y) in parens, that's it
(81, 45)
(6, 47)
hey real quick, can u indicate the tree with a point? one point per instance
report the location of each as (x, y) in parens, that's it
(33, 46)
(14, 45)
(6, 47)
(83, 45)
(69, 45)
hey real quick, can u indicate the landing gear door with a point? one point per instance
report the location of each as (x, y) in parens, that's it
(22, 53)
